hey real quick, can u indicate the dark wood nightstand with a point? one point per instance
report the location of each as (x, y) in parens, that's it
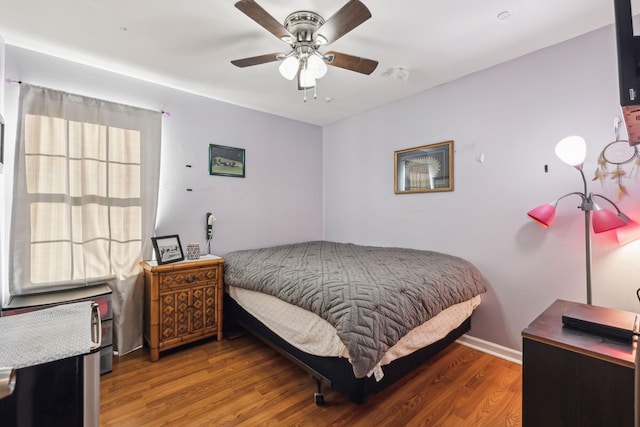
(574, 378)
(182, 302)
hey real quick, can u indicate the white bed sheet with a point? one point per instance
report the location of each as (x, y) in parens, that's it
(310, 333)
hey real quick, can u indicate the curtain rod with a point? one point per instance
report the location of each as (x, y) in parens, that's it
(11, 81)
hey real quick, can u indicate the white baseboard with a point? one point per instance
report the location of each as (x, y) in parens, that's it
(493, 349)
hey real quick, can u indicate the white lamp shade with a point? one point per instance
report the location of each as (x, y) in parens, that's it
(572, 150)
(289, 67)
(316, 66)
(306, 79)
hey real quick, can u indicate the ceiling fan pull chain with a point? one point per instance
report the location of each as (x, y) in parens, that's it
(315, 95)
(305, 94)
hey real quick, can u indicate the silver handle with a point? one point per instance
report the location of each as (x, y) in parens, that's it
(96, 327)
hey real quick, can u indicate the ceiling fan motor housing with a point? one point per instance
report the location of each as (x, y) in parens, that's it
(303, 24)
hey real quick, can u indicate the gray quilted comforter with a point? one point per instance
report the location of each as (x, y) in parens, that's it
(372, 295)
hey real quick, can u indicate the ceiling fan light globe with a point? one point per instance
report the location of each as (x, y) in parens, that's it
(289, 67)
(306, 79)
(317, 66)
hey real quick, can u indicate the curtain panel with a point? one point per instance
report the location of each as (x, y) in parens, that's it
(85, 200)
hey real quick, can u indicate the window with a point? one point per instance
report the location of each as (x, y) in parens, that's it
(83, 187)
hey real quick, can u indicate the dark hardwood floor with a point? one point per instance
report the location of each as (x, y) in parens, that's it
(243, 382)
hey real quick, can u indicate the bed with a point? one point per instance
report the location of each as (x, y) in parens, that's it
(357, 318)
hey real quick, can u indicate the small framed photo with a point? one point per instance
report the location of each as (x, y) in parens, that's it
(167, 249)
(424, 169)
(226, 161)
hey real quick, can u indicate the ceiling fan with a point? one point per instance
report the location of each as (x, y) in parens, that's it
(306, 32)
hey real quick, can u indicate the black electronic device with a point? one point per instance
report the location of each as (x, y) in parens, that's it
(602, 321)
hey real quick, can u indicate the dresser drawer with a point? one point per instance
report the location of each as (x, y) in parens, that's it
(188, 277)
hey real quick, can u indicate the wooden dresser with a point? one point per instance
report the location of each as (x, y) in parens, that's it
(182, 302)
(575, 378)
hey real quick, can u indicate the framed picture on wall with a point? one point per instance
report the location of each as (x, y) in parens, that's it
(167, 249)
(424, 169)
(226, 161)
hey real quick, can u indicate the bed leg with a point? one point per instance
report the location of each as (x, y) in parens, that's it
(318, 396)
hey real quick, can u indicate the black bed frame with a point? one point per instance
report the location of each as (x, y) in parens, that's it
(336, 372)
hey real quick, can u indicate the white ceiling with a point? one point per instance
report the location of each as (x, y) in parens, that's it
(189, 44)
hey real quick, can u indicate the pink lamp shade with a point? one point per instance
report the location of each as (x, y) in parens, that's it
(544, 214)
(629, 233)
(604, 220)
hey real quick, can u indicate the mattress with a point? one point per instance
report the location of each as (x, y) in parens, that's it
(373, 296)
(310, 333)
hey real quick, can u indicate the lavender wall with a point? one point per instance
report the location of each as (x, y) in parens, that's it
(513, 114)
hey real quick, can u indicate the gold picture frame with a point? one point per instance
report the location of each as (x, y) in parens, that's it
(424, 169)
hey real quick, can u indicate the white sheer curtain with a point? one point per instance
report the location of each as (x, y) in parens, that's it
(85, 199)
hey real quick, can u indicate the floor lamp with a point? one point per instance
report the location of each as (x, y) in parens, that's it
(572, 150)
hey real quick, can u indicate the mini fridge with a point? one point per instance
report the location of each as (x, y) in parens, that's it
(100, 294)
(56, 358)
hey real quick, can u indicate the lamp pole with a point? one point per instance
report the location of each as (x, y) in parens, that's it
(587, 207)
(587, 245)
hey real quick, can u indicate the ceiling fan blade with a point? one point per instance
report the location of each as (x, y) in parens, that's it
(346, 19)
(254, 11)
(350, 62)
(256, 60)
